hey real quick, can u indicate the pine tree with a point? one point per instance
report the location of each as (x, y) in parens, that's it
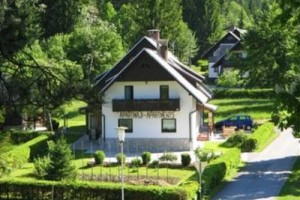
(60, 166)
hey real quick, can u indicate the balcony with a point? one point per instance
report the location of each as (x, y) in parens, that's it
(120, 105)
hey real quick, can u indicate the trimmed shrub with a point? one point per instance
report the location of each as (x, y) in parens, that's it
(244, 93)
(136, 162)
(263, 133)
(155, 163)
(249, 145)
(119, 158)
(32, 189)
(168, 157)
(18, 156)
(236, 140)
(218, 169)
(55, 124)
(185, 159)
(146, 157)
(99, 157)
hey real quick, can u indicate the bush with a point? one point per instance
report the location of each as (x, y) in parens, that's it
(205, 155)
(249, 145)
(275, 118)
(185, 159)
(146, 157)
(119, 158)
(136, 162)
(230, 79)
(155, 163)
(218, 169)
(244, 93)
(99, 157)
(32, 189)
(236, 140)
(40, 165)
(168, 157)
(263, 133)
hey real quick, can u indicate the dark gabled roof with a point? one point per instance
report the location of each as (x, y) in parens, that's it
(221, 58)
(145, 42)
(236, 33)
(188, 79)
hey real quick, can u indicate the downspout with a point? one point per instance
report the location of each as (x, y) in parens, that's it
(104, 135)
(190, 127)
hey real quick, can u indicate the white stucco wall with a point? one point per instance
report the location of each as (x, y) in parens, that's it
(151, 127)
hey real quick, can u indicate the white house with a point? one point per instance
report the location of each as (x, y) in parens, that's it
(160, 100)
(219, 55)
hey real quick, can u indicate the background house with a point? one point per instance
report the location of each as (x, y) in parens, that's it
(159, 99)
(221, 54)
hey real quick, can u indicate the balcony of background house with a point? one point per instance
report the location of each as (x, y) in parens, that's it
(146, 105)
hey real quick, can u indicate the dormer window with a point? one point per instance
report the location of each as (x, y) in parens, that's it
(164, 92)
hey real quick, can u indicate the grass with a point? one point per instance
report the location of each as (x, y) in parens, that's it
(258, 109)
(75, 118)
(291, 188)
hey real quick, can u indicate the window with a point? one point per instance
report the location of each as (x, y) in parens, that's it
(129, 92)
(126, 123)
(164, 92)
(168, 125)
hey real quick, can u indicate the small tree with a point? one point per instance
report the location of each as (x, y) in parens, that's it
(60, 166)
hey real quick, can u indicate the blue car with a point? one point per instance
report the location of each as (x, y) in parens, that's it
(238, 121)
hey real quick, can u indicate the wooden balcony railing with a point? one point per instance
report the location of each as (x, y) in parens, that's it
(146, 105)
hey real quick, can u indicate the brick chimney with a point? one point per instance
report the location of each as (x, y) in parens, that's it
(154, 34)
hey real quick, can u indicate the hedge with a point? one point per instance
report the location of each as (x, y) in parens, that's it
(218, 169)
(263, 133)
(30, 189)
(19, 155)
(20, 137)
(244, 93)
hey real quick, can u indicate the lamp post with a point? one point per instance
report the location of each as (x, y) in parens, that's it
(121, 137)
(199, 170)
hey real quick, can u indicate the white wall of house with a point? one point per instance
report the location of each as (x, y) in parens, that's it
(151, 127)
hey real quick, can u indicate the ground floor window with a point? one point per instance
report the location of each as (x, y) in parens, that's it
(126, 123)
(168, 125)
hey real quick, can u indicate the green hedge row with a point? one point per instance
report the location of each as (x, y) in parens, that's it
(20, 137)
(244, 93)
(19, 155)
(218, 169)
(263, 133)
(20, 189)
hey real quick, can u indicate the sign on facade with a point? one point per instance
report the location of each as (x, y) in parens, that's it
(147, 114)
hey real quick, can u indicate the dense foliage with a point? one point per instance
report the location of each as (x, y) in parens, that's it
(17, 189)
(273, 47)
(244, 93)
(218, 169)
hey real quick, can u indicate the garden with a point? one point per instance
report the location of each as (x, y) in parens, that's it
(29, 171)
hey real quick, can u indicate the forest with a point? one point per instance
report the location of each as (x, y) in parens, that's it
(51, 50)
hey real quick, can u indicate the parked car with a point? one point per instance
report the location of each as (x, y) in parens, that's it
(238, 121)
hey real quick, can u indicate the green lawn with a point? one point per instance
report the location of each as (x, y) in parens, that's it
(291, 189)
(259, 109)
(75, 118)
